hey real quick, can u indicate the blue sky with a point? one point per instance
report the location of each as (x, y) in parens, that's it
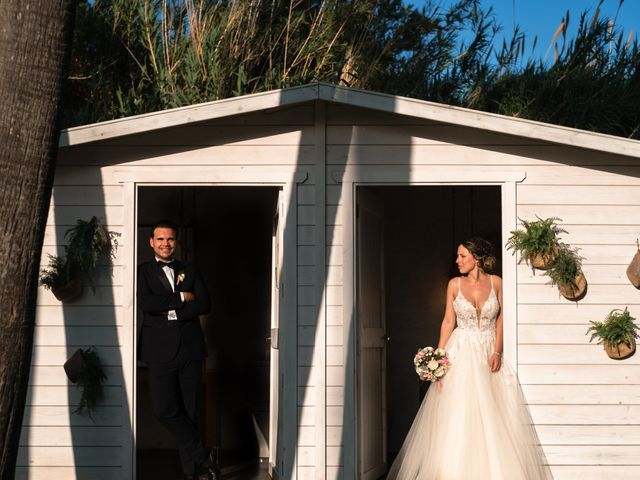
(542, 17)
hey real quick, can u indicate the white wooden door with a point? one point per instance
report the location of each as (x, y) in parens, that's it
(277, 243)
(371, 337)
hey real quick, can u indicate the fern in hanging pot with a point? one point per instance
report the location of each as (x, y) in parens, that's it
(537, 242)
(617, 333)
(565, 271)
(59, 277)
(89, 244)
(84, 368)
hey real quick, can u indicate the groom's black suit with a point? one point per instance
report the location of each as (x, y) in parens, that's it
(174, 350)
(160, 338)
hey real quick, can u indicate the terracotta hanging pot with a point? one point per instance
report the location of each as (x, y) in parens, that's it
(542, 260)
(620, 350)
(633, 270)
(574, 293)
(73, 365)
(68, 292)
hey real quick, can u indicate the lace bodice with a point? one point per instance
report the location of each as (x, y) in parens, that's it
(467, 316)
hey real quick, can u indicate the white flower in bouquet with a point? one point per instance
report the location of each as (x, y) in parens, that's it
(431, 364)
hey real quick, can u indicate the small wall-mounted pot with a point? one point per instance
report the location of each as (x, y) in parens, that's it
(73, 365)
(542, 261)
(621, 350)
(633, 270)
(68, 292)
(574, 293)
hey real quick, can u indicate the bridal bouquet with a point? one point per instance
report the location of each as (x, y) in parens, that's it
(431, 364)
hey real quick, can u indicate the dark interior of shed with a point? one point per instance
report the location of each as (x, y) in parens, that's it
(422, 228)
(227, 233)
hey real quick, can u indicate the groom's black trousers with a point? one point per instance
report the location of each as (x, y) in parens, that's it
(174, 387)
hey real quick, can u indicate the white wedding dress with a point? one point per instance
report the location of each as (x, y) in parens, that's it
(477, 426)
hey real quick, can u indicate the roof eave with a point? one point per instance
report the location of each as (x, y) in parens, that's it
(357, 98)
(185, 115)
(481, 120)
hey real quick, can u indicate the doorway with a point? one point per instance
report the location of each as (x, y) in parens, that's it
(406, 239)
(232, 235)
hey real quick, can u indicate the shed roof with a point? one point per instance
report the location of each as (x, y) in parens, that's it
(357, 98)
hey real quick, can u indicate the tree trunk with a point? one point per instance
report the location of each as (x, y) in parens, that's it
(36, 40)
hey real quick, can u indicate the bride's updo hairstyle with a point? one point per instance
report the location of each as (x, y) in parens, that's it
(481, 251)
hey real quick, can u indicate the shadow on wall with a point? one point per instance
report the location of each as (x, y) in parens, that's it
(92, 320)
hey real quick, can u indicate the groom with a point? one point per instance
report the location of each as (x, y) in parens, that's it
(172, 295)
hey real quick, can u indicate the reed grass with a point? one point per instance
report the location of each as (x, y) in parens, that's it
(136, 56)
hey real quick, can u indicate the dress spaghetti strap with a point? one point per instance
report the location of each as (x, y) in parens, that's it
(459, 289)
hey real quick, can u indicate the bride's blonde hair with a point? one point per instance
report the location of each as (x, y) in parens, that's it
(482, 251)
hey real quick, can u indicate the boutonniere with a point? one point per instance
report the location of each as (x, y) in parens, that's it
(180, 278)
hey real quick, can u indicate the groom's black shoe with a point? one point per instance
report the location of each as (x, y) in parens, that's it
(209, 473)
(209, 469)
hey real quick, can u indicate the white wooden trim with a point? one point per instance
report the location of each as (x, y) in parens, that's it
(289, 336)
(481, 120)
(509, 277)
(320, 292)
(413, 175)
(210, 176)
(185, 115)
(351, 179)
(129, 343)
(288, 332)
(357, 98)
(350, 427)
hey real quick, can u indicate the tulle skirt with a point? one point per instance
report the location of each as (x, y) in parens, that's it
(476, 427)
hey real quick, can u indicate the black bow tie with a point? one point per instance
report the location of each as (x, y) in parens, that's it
(171, 264)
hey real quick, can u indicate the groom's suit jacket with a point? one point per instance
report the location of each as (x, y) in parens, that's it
(160, 337)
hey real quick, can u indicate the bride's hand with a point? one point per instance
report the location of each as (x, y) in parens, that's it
(439, 385)
(495, 361)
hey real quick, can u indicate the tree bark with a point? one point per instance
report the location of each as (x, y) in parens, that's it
(35, 39)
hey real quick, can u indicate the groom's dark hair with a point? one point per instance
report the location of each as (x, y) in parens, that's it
(163, 224)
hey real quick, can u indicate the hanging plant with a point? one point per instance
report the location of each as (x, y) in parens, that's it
(633, 270)
(617, 333)
(89, 244)
(84, 368)
(565, 271)
(58, 277)
(537, 243)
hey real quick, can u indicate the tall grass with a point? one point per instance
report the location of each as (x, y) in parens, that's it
(592, 82)
(136, 56)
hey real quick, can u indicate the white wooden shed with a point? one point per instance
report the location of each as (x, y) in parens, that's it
(325, 220)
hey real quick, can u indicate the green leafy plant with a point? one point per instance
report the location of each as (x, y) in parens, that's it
(89, 244)
(538, 238)
(618, 326)
(90, 377)
(56, 274)
(565, 269)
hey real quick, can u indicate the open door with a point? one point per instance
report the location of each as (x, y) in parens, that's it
(277, 242)
(371, 337)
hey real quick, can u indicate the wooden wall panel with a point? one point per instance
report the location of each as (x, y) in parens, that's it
(34, 472)
(569, 383)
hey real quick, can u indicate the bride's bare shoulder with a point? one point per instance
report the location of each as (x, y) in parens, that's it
(497, 281)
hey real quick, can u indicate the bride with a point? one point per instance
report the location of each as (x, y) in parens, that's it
(474, 425)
